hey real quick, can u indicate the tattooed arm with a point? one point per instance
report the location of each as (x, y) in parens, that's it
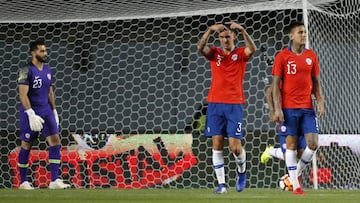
(250, 45)
(202, 45)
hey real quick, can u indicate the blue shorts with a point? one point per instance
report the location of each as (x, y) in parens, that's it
(301, 141)
(49, 126)
(296, 120)
(224, 119)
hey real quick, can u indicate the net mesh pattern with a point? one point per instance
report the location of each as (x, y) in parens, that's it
(136, 75)
(97, 10)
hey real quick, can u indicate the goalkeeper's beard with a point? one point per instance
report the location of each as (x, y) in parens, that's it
(41, 59)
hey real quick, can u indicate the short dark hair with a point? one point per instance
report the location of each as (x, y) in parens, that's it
(294, 25)
(34, 44)
(227, 29)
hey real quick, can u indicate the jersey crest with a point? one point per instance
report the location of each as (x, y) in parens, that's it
(283, 128)
(234, 57)
(308, 61)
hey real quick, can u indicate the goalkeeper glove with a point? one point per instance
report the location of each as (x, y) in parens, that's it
(35, 121)
(56, 117)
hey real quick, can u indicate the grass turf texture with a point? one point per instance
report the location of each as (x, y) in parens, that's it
(175, 195)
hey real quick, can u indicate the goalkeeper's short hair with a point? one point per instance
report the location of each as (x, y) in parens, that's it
(34, 44)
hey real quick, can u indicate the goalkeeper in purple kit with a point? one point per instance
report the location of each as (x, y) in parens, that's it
(38, 114)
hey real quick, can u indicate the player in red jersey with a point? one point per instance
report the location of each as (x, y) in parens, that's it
(279, 152)
(226, 97)
(298, 70)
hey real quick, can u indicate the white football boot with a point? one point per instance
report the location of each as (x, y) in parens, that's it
(26, 186)
(58, 184)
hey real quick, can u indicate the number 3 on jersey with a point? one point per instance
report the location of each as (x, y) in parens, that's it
(238, 129)
(291, 69)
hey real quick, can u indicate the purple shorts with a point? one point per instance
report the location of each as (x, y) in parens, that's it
(49, 126)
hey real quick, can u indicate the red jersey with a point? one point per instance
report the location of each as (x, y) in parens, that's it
(296, 72)
(227, 72)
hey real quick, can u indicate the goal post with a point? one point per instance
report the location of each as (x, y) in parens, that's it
(331, 27)
(130, 73)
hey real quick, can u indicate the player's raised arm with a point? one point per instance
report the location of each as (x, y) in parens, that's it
(202, 46)
(249, 43)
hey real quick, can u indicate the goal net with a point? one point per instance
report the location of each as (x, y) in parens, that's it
(334, 35)
(131, 88)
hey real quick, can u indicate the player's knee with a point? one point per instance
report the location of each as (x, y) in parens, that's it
(54, 140)
(235, 148)
(291, 146)
(235, 151)
(25, 145)
(217, 144)
(313, 146)
(312, 141)
(291, 142)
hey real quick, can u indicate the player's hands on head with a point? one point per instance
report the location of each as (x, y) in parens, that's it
(218, 28)
(35, 121)
(235, 26)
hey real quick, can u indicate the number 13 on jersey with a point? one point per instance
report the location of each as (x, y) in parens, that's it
(291, 69)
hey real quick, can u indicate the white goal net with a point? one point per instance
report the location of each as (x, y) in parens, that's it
(131, 88)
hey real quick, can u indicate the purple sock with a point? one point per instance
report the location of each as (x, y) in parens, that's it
(54, 160)
(23, 163)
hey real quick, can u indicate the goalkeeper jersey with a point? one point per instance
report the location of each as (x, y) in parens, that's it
(39, 82)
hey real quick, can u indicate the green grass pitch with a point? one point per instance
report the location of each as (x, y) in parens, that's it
(175, 196)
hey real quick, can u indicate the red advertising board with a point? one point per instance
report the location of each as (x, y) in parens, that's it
(137, 161)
